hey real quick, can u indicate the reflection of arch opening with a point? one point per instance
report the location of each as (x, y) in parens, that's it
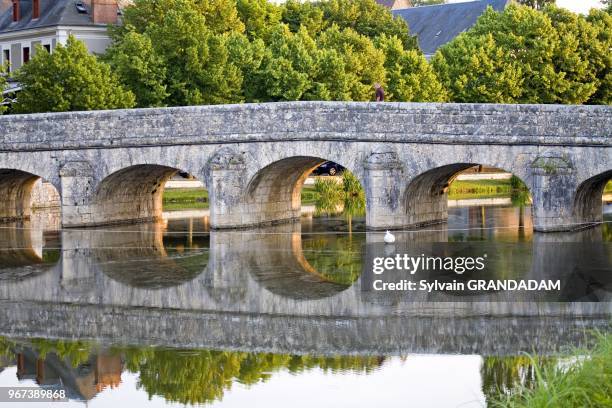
(21, 190)
(427, 196)
(133, 194)
(27, 252)
(277, 262)
(147, 258)
(588, 202)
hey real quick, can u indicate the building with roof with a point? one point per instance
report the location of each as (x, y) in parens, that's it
(26, 23)
(395, 4)
(436, 25)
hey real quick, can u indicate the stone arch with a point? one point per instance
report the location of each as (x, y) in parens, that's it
(17, 188)
(425, 198)
(253, 188)
(130, 194)
(588, 205)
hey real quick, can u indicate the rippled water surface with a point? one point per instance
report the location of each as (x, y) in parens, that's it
(171, 313)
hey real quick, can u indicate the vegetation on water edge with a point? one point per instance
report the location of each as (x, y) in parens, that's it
(328, 192)
(185, 199)
(581, 379)
(460, 189)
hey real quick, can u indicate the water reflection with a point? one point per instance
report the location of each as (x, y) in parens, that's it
(187, 376)
(195, 315)
(87, 369)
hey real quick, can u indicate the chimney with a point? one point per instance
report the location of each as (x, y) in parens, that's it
(16, 10)
(35, 9)
(104, 11)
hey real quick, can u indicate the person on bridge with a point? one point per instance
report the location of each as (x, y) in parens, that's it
(379, 92)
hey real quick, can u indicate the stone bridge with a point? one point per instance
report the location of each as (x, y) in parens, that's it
(111, 166)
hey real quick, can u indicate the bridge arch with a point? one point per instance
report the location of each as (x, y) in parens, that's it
(265, 189)
(425, 198)
(588, 205)
(17, 188)
(131, 194)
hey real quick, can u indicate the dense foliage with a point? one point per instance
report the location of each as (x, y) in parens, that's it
(527, 56)
(190, 52)
(69, 79)
(185, 52)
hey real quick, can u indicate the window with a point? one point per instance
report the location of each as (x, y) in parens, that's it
(26, 54)
(48, 48)
(7, 59)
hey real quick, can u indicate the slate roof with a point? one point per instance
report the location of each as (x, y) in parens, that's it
(436, 25)
(52, 13)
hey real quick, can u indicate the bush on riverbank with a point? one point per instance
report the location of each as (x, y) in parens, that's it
(582, 379)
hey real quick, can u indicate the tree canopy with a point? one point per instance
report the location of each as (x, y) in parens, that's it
(522, 55)
(190, 52)
(69, 79)
(185, 52)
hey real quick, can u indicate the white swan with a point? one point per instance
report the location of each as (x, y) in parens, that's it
(389, 238)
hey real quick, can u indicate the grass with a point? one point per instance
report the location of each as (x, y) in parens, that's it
(185, 199)
(197, 198)
(582, 378)
(460, 189)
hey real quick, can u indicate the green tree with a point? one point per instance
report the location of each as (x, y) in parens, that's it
(522, 55)
(139, 68)
(306, 14)
(258, 16)
(283, 74)
(536, 4)
(69, 79)
(409, 76)
(600, 56)
(367, 18)
(194, 51)
(475, 69)
(221, 16)
(363, 63)
(2, 87)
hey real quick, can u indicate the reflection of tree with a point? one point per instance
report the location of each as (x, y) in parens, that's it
(199, 376)
(338, 258)
(191, 376)
(505, 374)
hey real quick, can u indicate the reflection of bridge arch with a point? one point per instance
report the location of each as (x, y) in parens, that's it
(25, 253)
(141, 259)
(275, 261)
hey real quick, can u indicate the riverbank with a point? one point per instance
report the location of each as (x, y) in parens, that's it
(197, 198)
(582, 378)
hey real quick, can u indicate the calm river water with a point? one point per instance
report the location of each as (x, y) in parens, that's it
(172, 314)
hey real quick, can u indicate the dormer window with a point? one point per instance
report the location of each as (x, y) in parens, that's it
(80, 7)
(16, 10)
(35, 9)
